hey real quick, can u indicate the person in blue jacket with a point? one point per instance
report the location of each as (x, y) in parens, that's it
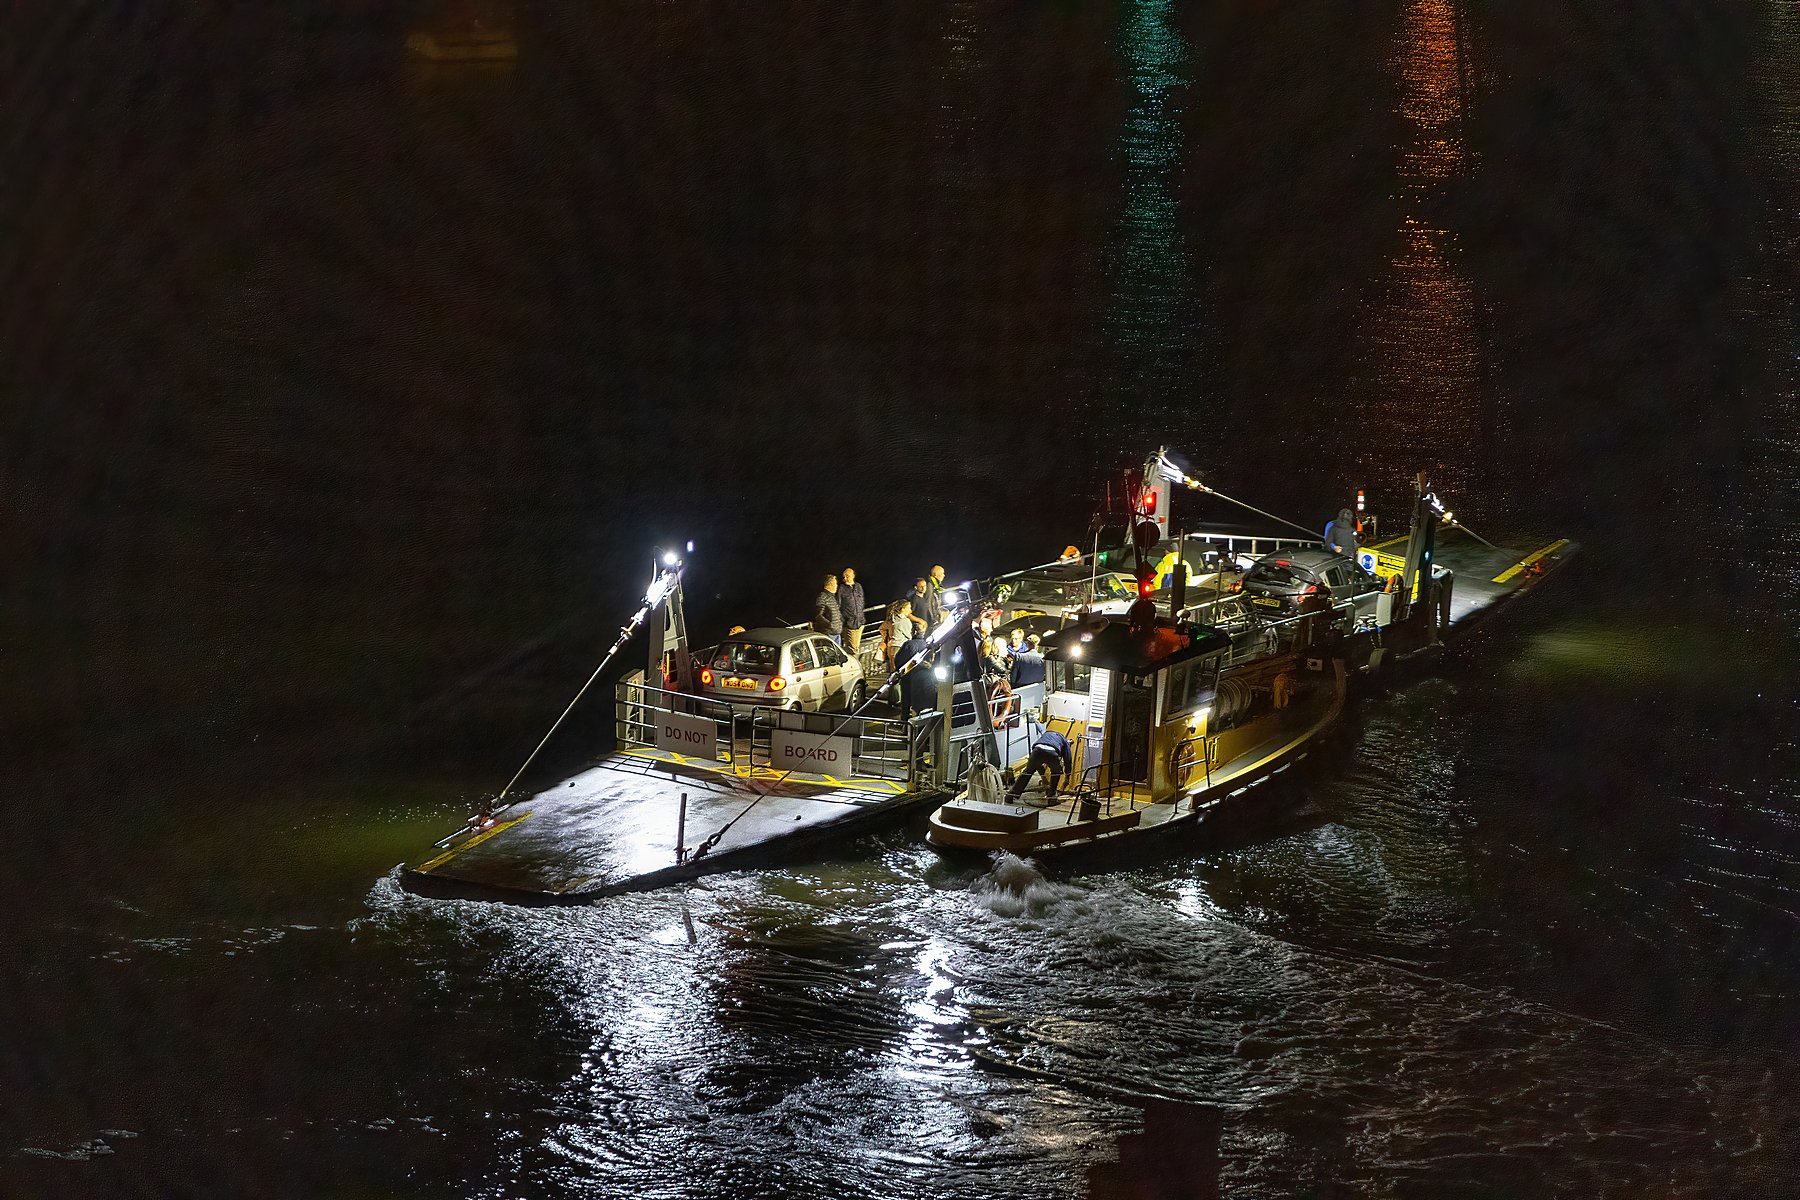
(1049, 754)
(1340, 535)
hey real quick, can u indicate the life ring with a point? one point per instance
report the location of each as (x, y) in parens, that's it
(1183, 761)
(1002, 702)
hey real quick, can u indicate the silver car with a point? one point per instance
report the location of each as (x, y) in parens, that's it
(1060, 591)
(783, 668)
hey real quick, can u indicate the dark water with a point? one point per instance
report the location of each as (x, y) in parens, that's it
(350, 397)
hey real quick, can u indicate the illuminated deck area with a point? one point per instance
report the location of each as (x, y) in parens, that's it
(613, 828)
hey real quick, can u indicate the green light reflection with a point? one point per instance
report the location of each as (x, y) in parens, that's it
(1149, 262)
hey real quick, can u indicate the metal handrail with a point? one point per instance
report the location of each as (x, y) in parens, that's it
(635, 701)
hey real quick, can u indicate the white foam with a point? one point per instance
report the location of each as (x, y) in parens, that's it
(1017, 887)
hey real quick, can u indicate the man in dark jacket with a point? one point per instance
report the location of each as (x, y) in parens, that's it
(850, 603)
(918, 699)
(1028, 664)
(1049, 754)
(927, 608)
(918, 690)
(1340, 535)
(827, 616)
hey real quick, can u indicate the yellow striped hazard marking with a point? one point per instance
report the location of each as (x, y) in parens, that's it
(859, 782)
(1523, 563)
(479, 838)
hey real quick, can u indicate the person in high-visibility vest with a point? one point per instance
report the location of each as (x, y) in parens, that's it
(1165, 571)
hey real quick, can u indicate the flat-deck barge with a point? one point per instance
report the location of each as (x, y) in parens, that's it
(693, 787)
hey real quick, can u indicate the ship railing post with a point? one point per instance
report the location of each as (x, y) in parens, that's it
(681, 831)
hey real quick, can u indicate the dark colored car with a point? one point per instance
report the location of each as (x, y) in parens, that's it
(1279, 583)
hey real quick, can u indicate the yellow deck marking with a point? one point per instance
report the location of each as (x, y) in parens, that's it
(859, 782)
(479, 838)
(1552, 548)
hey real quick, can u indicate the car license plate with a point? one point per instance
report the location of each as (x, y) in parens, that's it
(1266, 601)
(746, 685)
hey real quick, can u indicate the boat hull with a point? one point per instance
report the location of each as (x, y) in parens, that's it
(1263, 748)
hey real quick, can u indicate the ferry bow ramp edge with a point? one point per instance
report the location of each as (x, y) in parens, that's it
(1142, 683)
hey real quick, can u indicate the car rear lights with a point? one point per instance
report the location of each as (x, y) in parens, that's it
(777, 684)
(706, 676)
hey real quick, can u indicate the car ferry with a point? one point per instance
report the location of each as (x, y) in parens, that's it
(1219, 674)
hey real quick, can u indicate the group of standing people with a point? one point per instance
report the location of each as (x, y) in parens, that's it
(840, 611)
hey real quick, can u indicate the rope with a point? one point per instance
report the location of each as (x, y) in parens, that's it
(1503, 549)
(1258, 511)
(1182, 477)
(659, 590)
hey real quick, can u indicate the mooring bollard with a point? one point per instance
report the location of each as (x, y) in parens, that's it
(681, 831)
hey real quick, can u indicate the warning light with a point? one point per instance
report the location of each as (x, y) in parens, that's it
(1149, 504)
(1146, 579)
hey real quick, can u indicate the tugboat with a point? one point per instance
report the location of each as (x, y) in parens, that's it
(1167, 716)
(1164, 718)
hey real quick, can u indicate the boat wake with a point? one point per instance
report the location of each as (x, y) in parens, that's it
(1015, 887)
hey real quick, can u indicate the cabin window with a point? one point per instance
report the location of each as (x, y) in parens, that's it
(1189, 685)
(801, 653)
(1069, 677)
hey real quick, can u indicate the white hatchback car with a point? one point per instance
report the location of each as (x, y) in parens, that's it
(783, 668)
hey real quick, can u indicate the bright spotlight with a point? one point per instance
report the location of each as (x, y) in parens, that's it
(939, 674)
(670, 558)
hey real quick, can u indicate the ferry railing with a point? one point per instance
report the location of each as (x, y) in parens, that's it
(1011, 739)
(1087, 790)
(1262, 638)
(1253, 544)
(744, 733)
(881, 747)
(1231, 540)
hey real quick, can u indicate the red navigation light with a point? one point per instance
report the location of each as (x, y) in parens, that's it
(706, 676)
(1149, 502)
(777, 683)
(1146, 579)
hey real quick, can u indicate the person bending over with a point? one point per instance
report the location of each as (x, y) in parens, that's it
(1049, 754)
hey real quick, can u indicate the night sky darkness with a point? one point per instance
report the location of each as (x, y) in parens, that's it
(348, 397)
